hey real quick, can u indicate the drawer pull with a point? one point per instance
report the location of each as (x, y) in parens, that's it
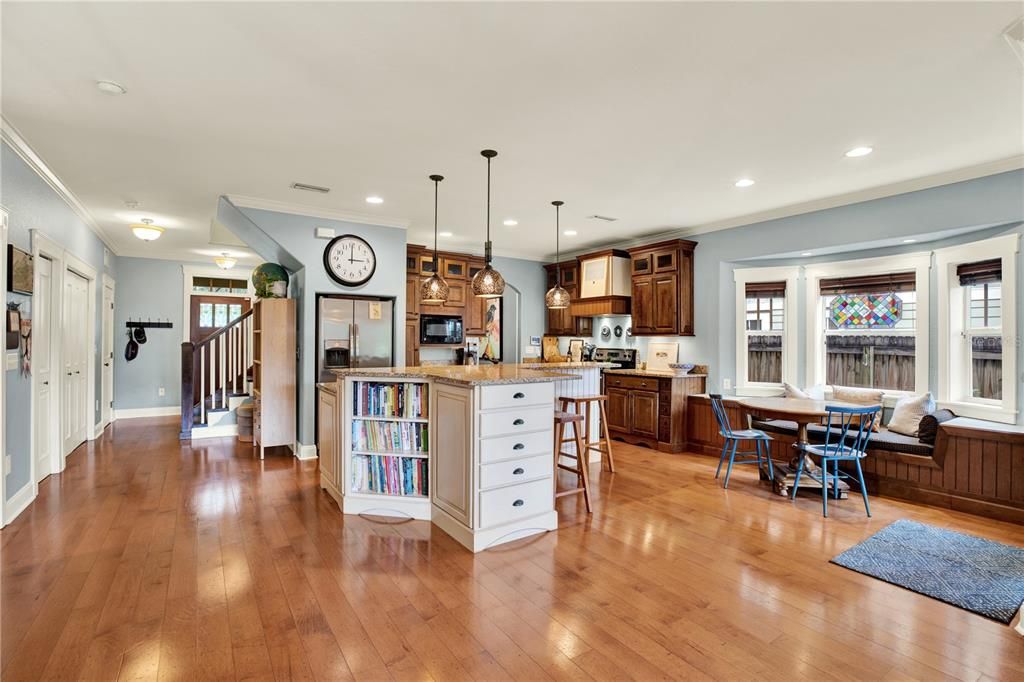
(518, 422)
(518, 471)
(518, 446)
(519, 395)
(518, 503)
(643, 383)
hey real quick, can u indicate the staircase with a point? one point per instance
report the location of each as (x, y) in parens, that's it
(216, 378)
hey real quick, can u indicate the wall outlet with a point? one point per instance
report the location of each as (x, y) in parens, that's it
(726, 384)
(160, 391)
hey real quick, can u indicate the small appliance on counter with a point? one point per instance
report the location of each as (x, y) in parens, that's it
(625, 358)
(470, 354)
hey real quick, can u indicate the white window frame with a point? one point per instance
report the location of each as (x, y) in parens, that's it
(790, 363)
(189, 272)
(954, 381)
(920, 263)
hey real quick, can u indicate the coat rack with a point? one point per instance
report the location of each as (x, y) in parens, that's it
(149, 324)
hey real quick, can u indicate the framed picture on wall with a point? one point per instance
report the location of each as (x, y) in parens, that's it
(490, 342)
(13, 327)
(19, 271)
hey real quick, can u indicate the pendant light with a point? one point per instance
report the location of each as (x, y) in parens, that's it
(434, 289)
(557, 298)
(488, 283)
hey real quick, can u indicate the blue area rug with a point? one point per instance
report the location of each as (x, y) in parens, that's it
(963, 570)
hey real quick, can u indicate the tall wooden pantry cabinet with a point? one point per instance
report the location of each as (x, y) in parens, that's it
(273, 373)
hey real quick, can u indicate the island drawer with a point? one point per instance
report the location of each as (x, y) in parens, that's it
(516, 470)
(506, 422)
(516, 446)
(637, 383)
(504, 505)
(514, 395)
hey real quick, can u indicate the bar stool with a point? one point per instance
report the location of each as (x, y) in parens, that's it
(583, 479)
(581, 405)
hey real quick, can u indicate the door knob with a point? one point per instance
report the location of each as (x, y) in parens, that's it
(46, 383)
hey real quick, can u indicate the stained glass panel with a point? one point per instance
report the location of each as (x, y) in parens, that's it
(865, 311)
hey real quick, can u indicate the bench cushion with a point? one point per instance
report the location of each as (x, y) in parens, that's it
(882, 440)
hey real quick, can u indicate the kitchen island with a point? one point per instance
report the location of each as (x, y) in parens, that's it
(467, 448)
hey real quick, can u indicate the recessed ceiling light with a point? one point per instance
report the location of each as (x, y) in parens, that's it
(510, 222)
(374, 200)
(909, 241)
(859, 151)
(111, 88)
(806, 253)
(744, 182)
(444, 234)
(570, 233)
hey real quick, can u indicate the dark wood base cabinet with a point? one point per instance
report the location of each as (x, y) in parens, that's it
(650, 410)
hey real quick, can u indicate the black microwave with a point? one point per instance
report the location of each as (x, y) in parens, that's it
(441, 329)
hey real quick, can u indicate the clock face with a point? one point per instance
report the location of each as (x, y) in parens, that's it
(349, 260)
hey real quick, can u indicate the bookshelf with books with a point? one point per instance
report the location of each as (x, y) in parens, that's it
(387, 446)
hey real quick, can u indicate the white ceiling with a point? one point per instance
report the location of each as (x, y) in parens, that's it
(645, 112)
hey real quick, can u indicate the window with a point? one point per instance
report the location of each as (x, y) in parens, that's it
(977, 320)
(869, 325)
(766, 317)
(766, 342)
(219, 285)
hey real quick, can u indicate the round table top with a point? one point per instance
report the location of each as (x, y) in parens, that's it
(797, 409)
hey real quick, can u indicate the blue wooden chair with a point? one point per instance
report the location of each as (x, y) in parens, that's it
(733, 439)
(846, 440)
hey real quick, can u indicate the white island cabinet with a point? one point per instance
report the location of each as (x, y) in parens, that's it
(468, 448)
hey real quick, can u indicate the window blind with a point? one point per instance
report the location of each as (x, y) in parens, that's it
(864, 284)
(766, 289)
(981, 272)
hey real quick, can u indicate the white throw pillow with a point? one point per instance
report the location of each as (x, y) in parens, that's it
(906, 416)
(859, 396)
(792, 391)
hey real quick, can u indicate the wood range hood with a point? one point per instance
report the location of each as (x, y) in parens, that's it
(604, 284)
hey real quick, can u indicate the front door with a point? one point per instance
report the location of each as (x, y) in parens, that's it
(207, 314)
(42, 340)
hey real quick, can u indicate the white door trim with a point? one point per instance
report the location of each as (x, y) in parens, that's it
(42, 245)
(107, 401)
(190, 271)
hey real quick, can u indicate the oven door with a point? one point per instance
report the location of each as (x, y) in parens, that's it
(441, 330)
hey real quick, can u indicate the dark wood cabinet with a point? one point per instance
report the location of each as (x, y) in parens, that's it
(453, 267)
(662, 288)
(561, 322)
(650, 410)
(412, 296)
(412, 343)
(426, 261)
(475, 316)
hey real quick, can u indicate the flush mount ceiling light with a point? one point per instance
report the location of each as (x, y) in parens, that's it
(510, 222)
(859, 151)
(744, 182)
(374, 200)
(556, 297)
(434, 289)
(488, 282)
(111, 88)
(146, 230)
(224, 261)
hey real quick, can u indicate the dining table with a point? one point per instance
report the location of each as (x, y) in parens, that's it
(802, 411)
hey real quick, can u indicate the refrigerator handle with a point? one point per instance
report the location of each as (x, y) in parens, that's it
(353, 344)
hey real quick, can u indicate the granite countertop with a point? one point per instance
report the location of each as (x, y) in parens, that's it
(651, 373)
(328, 386)
(567, 365)
(463, 375)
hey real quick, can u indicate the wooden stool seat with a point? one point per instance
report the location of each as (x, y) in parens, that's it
(563, 418)
(581, 406)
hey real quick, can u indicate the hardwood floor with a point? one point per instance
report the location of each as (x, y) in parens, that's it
(147, 559)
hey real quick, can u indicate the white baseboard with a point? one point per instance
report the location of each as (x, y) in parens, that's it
(304, 451)
(218, 431)
(19, 502)
(147, 412)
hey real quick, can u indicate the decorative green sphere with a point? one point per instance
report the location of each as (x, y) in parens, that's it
(270, 281)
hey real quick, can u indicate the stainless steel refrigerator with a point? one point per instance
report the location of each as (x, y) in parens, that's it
(354, 332)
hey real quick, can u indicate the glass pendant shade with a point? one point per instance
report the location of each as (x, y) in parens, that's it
(434, 290)
(488, 283)
(557, 298)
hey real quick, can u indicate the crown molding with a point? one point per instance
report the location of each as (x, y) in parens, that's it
(315, 211)
(22, 148)
(981, 170)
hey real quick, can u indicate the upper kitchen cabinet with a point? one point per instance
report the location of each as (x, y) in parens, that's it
(561, 322)
(662, 288)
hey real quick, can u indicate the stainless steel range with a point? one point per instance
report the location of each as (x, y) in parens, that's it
(625, 358)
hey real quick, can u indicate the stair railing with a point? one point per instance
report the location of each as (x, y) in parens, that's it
(213, 370)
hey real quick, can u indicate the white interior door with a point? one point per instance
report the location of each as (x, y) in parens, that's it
(76, 348)
(42, 360)
(107, 399)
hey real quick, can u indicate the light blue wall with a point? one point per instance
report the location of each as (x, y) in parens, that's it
(32, 204)
(148, 288)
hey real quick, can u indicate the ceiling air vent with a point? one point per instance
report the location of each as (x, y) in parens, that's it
(310, 188)
(607, 219)
(1014, 35)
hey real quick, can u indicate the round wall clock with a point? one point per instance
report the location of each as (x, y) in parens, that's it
(350, 260)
